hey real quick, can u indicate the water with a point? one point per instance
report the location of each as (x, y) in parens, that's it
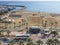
(53, 7)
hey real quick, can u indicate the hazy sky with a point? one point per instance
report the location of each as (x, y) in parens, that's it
(29, 0)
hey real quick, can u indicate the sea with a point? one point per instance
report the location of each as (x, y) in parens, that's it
(36, 6)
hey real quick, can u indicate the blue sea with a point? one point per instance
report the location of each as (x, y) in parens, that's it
(37, 6)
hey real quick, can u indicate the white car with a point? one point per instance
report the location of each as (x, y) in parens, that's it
(47, 32)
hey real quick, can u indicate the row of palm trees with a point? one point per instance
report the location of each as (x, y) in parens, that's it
(39, 42)
(52, 23)
(28, 42)
(9, 23)
(45, 24)
(2, 31)
(53, 42)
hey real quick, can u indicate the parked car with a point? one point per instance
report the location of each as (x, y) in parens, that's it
(47, 32)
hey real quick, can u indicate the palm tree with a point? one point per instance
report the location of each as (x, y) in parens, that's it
(22, 21)
(11, 42)
(21, 42)
(29, 40)
(8, 32)
(14, 24)
(1, 32)
(55, 33)
(30, 43)
(1, 13)
(39, 42)
(1, 21)
(51, 26)
(9, 22)
(56, 24)
(6, 23)
(26, 25)
(19, 24)
(56, 41)
(42, 20)
(49, 42)
(45, 24)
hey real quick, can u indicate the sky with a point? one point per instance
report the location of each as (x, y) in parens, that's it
(29, 0)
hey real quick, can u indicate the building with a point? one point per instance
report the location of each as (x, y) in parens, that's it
(34, 21)
(34, 29)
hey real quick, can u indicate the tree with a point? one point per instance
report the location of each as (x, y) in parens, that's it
(1, 21)
(6, 23)
(39, 42)
(56, 41)
(55, 33)
(19, 24)
(51, 26)
(14, 24)
(10, 24)
(1, 32)
(26, 25)
(30, 43)
(56, 24)
(8, 32)
(29, 40)
(45, 24)
(21, 42)
(49, 42)
(1, 13)
(42, 20)
(11, 42)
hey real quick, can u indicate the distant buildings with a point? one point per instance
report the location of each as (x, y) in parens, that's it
(27, 19)
(6, 8)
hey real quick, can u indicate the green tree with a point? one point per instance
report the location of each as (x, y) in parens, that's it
(19, 24)
(51, 26)
(6, 23)
(30, 43)
(45, 24)
(8, 32)
(1, 21)
(21, 42)
(42, 21)
(29, 40)
(56, 41)
(49, 42)
(55, 33)
(14, 24)
(11, 42)
(1, 13)
(39, 42)
(56, 24)
(1, 32)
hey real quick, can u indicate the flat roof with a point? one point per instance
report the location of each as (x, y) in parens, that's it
(34, 27)
(22, 34)
(14, 15)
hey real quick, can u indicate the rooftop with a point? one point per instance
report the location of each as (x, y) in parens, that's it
(14, 15)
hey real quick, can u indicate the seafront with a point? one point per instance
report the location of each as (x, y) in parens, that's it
(29, 28)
